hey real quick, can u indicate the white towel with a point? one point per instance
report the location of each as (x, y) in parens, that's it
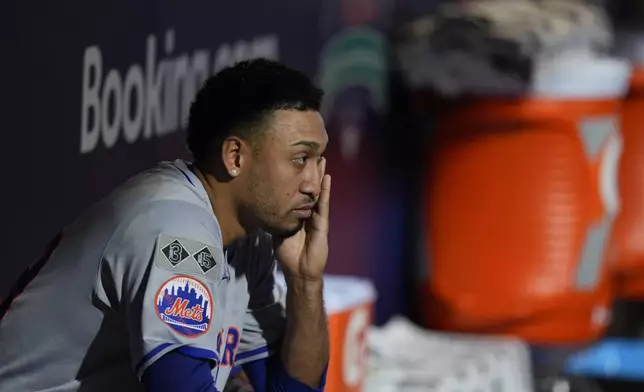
(407, 358)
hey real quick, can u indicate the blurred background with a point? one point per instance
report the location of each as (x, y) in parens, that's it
(487, 160)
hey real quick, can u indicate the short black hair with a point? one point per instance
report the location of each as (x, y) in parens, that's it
(237, 99)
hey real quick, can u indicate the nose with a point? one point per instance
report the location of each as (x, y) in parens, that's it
(312, 182)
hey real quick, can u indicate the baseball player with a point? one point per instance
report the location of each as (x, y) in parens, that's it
(167, 283)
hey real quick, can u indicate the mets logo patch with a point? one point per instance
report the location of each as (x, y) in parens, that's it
(185, 305)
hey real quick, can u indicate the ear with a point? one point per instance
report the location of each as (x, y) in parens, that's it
(235, 154)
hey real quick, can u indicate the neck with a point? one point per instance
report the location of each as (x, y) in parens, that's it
(223, 206)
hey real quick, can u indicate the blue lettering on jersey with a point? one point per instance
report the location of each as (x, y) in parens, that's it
(232, 343)
(185, 305)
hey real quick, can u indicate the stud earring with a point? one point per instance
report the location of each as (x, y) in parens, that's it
(234, 172)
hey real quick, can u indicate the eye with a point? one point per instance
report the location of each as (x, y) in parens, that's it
(300, 161)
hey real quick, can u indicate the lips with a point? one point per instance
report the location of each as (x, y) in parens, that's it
(305, 211)
(307, 206)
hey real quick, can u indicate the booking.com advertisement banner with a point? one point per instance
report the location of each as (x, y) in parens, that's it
(94, 92)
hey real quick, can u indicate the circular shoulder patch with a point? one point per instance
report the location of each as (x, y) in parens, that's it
(185, 305)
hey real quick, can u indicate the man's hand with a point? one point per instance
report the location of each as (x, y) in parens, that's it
(305, 254)
(305, 349)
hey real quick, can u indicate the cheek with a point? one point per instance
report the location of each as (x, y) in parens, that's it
(285, 195)
(291, 187)
(286, 183)
(280, 183)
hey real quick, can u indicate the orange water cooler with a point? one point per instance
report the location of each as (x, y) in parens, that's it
(521, 199)
(627, 245)
(349, 304)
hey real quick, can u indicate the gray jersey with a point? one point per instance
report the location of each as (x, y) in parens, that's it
(141, 274)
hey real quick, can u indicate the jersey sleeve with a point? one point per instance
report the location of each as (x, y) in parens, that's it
(161, 273)
(265, 318)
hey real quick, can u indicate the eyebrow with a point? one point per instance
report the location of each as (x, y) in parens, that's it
(310, 144)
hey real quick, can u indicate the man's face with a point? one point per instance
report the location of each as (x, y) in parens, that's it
(286, 174)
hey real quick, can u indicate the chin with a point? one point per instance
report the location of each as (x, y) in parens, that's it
(284, 231)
